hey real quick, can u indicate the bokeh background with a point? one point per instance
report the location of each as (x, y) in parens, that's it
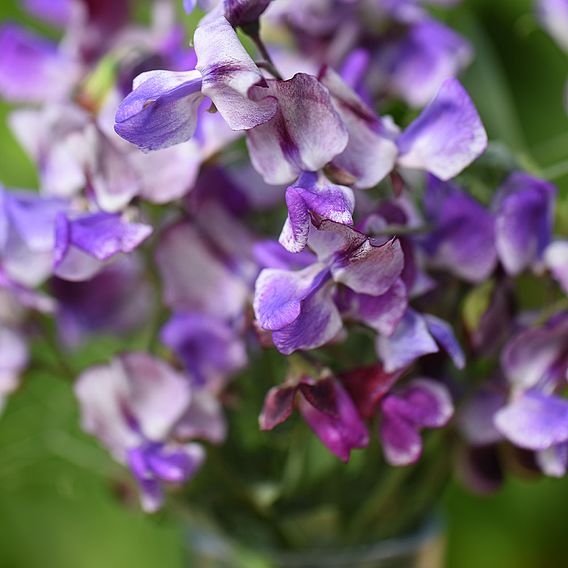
(57, 507)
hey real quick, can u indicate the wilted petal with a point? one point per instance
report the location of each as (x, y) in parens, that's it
(446, 137)
(228, 74)
(209, 348)
(305, 134)
(161, 110)
(278, 407)
(534, 421)
(84, 243)
(525, 210)
(382, 313)
(279, 294)
(556, 260)
(317, 324)
(314, 193)
(371, 151)
(410, 340)
(341, 433)
(444, 335)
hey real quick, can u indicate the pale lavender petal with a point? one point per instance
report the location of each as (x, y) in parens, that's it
(538, 355)
(305, 134)
(318, 323)
(189, 5)
(556, 260)
(342, 433)
(370, 268)
(279, 294)
(410, 340)
(382, 313)
(444, 335)
(476, 417)
(402, 444)
(554, 460)
(228, 74)
(525, 211)
(194, 277)
(271, 254)
(371, 151)
(161, 110)
(203, 419)
(176, 464)
(156, 395)
(534, 421)
(314, 193)
(13, 358)
(57, 12)
(446, 137)
(554, 16)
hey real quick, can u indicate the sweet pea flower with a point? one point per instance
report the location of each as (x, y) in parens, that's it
(84, 243)
(134, 406)
(524, 219)
(535, 362)
(299, 307)
(422, 403)
(162, 109)
(326, 407)
(556, 260)
(27, 235)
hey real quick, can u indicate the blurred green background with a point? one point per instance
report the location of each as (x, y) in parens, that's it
(57, 508)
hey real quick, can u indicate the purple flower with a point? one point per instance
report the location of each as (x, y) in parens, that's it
(463, 237)
(304, 134)
(415, 336)
(162, 109)
(299, 307)
(313, 193)
(27, 235)
(524, 218)
(536, 418)
(32, 69)
(209, 348)
(57, 12)
(326, 407)
(85, 242)
(14, 356)
(133, 406)
(242, 12)
(120, 287)
(423, 403)
(371, 152)
(414, 65)
(446, 137)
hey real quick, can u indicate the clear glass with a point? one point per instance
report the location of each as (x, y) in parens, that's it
(422, 549)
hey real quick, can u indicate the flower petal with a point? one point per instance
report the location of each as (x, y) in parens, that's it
(446, 137)
(534, 421)
(556, 260)
(305, 134)
(444, 335)
(278, 407)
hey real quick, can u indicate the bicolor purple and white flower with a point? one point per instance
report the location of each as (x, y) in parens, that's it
(134, 406)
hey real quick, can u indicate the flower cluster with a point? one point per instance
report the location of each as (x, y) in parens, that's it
(236, 197)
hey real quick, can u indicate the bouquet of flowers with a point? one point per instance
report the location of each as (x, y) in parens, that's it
(312, 262)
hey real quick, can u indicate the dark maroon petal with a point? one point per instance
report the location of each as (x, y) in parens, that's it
(278, 406)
